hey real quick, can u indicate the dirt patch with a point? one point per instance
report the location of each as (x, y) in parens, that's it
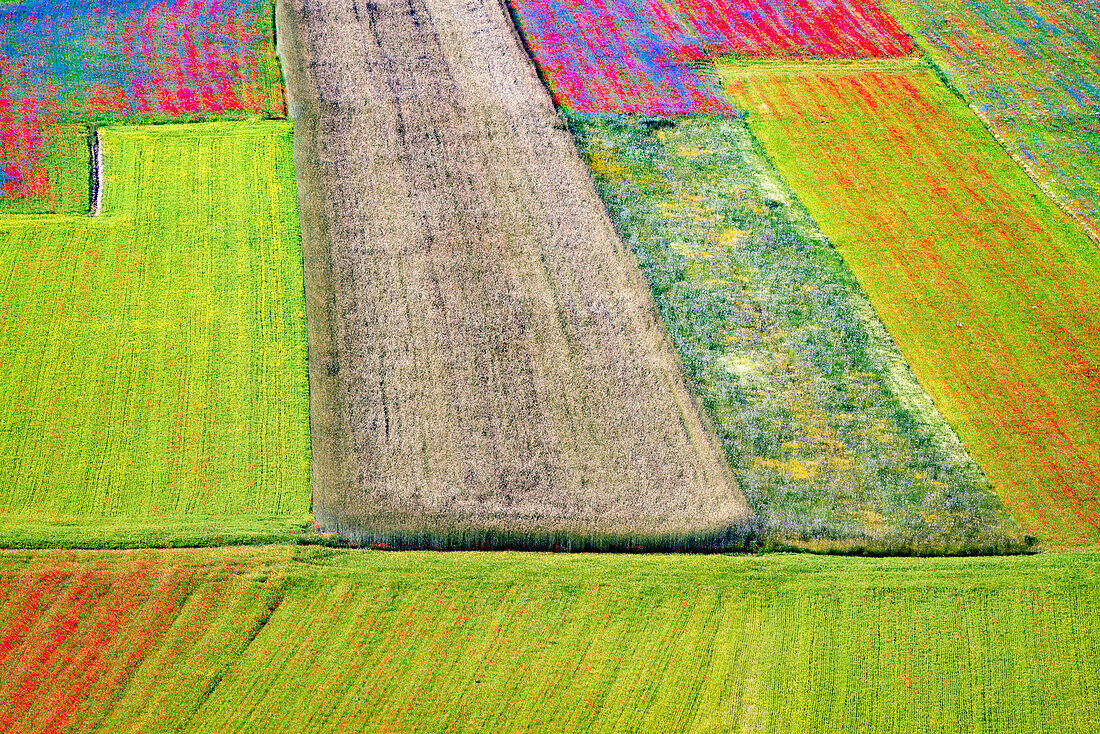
(486, 368)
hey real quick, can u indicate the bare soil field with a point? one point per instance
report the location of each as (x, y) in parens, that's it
(486, 367)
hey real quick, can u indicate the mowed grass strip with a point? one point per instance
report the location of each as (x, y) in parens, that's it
(365, 641)
(989, 290)
(153, 359)
(76, 628)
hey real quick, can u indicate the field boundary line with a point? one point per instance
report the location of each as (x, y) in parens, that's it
(97, 174)
(272, 606)
(120, 694)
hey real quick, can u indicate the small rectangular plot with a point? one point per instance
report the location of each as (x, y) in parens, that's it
(45, 170)
(615, 56)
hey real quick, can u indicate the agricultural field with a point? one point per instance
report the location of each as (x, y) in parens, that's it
(59, 157)
(78, 631)
(486, 369)
(324, 640)
(827, 432)
(988, 289)
(794, 28)
(153, 358)
(650, 58)
(804, 237)
(67, 65)
(1029, 68)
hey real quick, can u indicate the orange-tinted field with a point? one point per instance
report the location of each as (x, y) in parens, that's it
(991, 293)
(77, 629)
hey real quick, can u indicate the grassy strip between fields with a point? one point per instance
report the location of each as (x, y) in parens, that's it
(317, 640)
(989, 291)
(153, 381)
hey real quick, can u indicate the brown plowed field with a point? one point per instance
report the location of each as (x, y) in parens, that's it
(485, 364)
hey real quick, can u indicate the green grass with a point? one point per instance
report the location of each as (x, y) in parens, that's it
(989, 290)
(828, 434)
(153, 358)
(368, 641)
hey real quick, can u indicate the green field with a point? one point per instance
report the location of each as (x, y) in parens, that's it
(828, 433)
(284, 640)
(153, 358)
(153, 392)
(988, 289)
